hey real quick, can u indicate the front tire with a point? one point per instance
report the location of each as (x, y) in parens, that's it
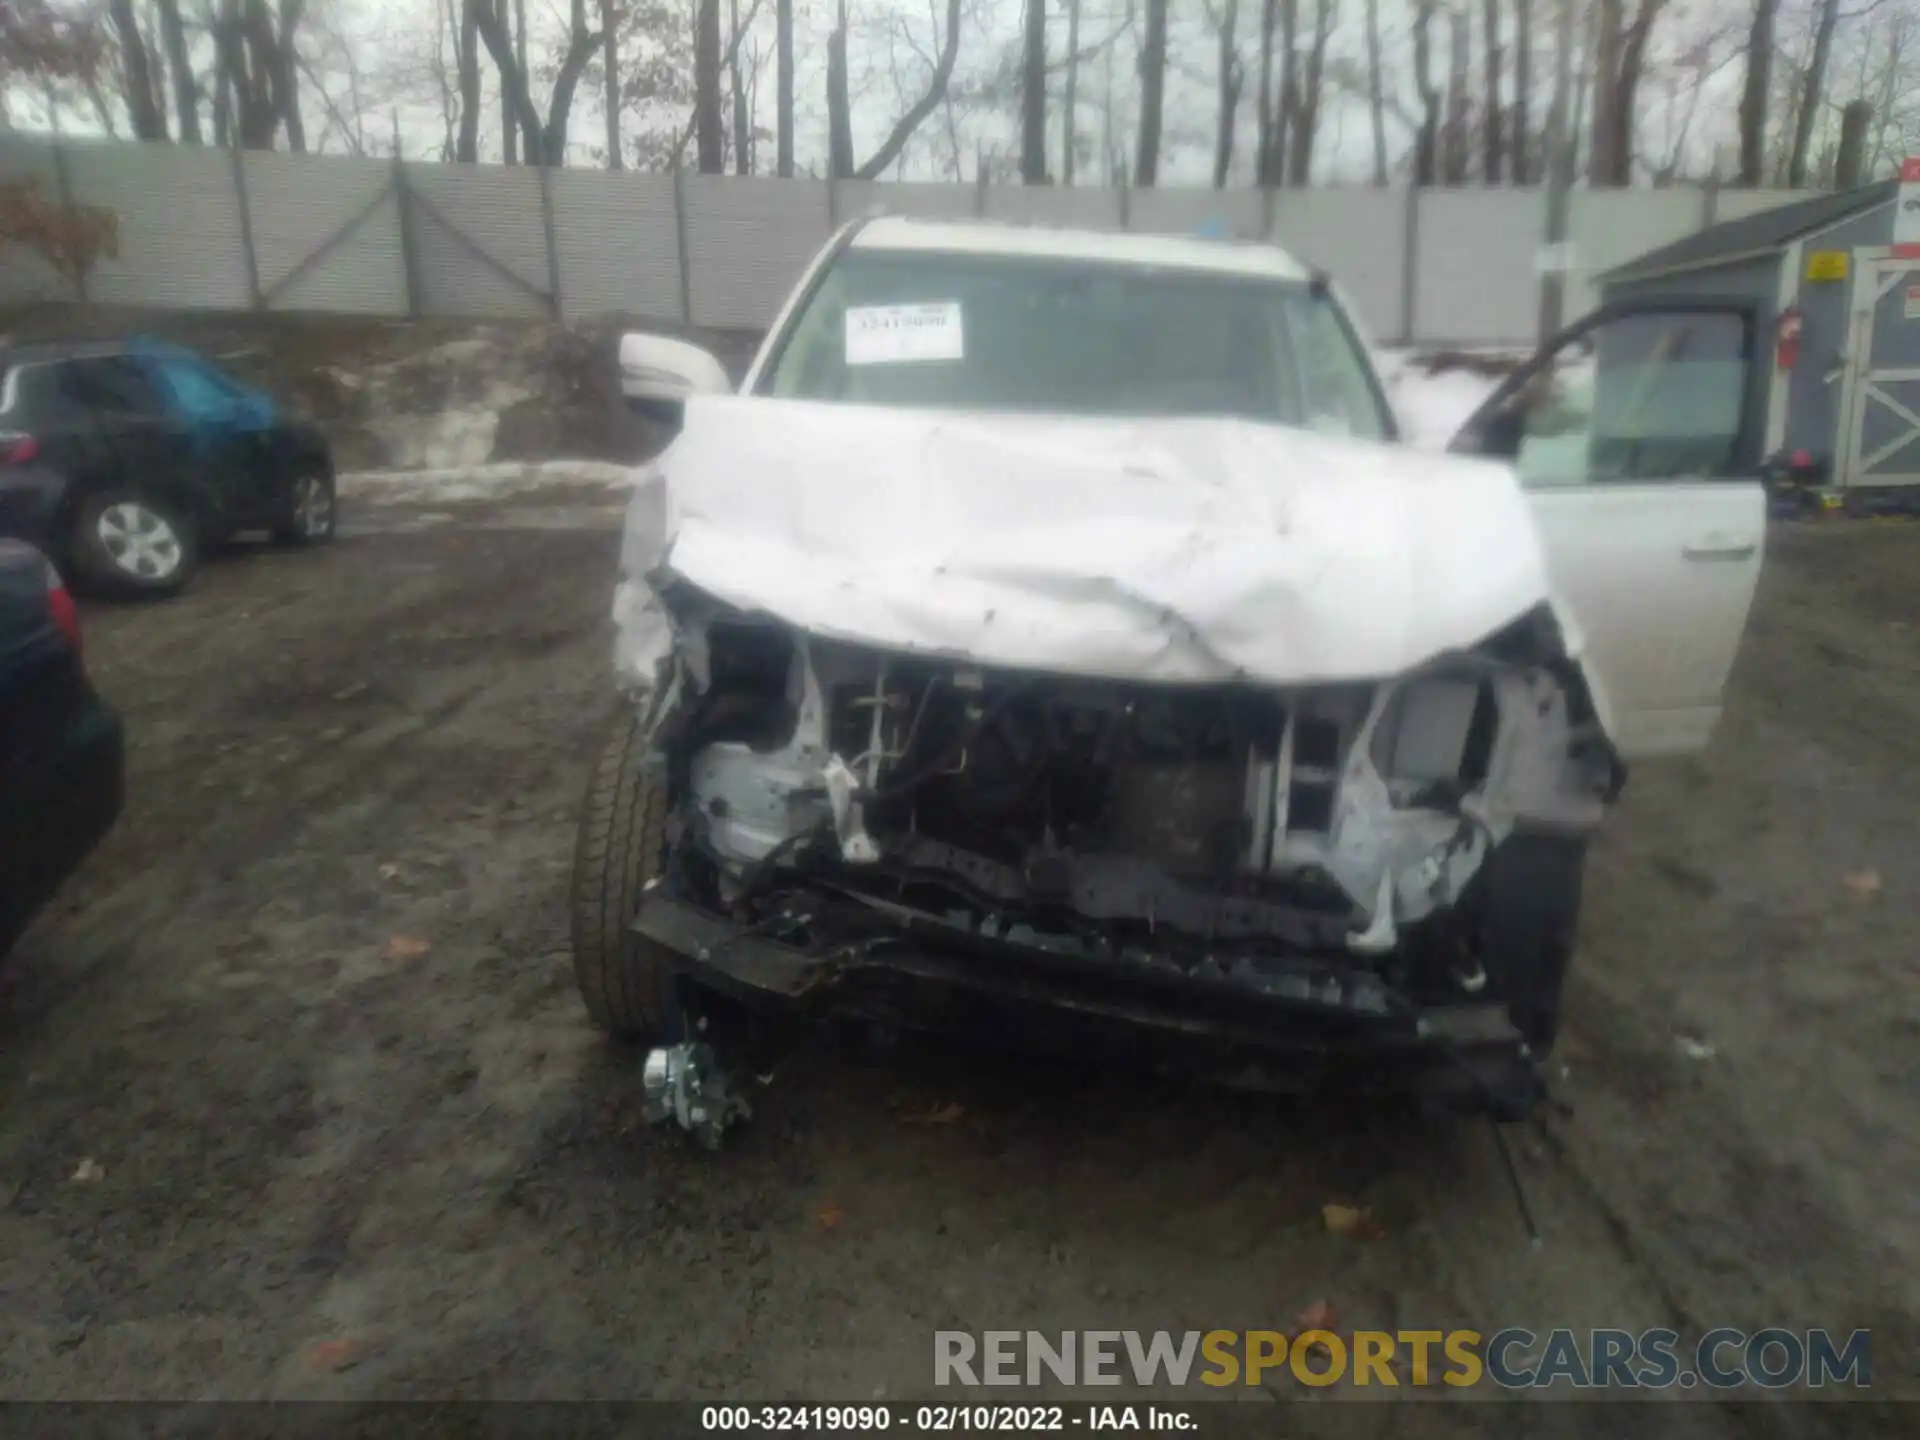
(625, 979)
(134, 544)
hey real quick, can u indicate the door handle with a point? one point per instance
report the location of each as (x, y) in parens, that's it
(1719, 547)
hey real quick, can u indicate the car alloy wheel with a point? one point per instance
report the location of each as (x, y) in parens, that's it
(141, 543)
(313, 507)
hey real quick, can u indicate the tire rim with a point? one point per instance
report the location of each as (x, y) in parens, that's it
(313, 507)
(141, 543)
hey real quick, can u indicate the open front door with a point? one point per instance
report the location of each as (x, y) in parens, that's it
(1637, 436)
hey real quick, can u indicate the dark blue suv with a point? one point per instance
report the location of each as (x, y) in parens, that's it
(123, 459)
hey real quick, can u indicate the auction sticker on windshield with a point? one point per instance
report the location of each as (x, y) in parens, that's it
(904, 334)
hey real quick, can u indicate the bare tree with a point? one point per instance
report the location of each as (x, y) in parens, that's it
(1753, 95)
(509, 120)
(541, 144)
(1620, 55)
(1376, 100)
(1069, 109)
(138, 84)
(1305, 124)
(610, 79)
(783, 84)
(466, 56)
(1455, 145)
(1286, 101)
(1493, 162)
(1426, 145)
(742, 102)
(1263, 98)
(710, 142)
(1231, 80)
(1520, 136)
(186, 87)
(839, 126)
(1153, 80)
(1811, 92)
(1033, 95)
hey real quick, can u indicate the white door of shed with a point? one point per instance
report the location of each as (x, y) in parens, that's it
(1880, 411)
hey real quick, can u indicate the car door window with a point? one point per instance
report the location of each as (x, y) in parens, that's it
(111, 385)
(1647, 396)
(201, 395)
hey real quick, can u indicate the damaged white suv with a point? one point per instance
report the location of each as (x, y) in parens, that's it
(1053, 625)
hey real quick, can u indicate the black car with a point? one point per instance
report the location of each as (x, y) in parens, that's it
(123, 460)
(61, 753)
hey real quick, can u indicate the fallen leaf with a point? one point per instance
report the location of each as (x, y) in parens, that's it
(389, 872)
(336, 1354)
(830, 1216)
(1863, 883)
(940, 1115)
(1694, 1049)
(89, 1172)
(1341, 1219)
(407, 947)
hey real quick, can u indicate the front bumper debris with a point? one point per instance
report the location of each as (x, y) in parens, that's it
(685, 1084)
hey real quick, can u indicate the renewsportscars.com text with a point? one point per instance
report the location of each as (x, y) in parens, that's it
(1513, 1359)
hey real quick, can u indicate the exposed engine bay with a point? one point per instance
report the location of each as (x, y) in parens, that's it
(1288, 840)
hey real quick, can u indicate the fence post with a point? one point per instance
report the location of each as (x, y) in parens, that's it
(833, 201)
(63, 182)
(553, 252)
(409, 245)
(238, 161)
(686, 260)
(1410, 264)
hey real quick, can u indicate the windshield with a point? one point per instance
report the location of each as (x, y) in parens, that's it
(992, 332)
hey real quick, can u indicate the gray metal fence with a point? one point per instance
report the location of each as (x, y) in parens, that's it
(219, 230)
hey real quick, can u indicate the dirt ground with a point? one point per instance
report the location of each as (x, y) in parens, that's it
(329, 1164)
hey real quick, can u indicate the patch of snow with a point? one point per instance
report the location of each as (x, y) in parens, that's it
(453, 483)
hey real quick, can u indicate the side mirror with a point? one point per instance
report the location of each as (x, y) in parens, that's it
(658, 373)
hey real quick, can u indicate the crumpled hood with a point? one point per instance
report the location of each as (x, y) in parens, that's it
(1152, 550)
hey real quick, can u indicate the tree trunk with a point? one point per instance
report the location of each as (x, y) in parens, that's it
(839, 114)
(1230, 80)
(783, 84)
(1626, 86)
(1753, 95)
(467, 147)
(1493, 162)
(1853, 139)
(1426, 145)
(1810, 93)
(1306, 112)
(509, 121)
(149, 121)
(1153, 80)
(286, 75)
(710, 141)
(1459, 58)
(1601, 166)
(1289, 81)
(1070, 114)
(742, 110)
(1033, 95)
(610, 81)
(541, 145)
(1519, 136)
(1263, 97)
(1376, 99)
(186, 91)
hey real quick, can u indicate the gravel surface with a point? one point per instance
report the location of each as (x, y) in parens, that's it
(297, 1098)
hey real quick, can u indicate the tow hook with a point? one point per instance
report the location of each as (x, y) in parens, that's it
(685, 1084)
